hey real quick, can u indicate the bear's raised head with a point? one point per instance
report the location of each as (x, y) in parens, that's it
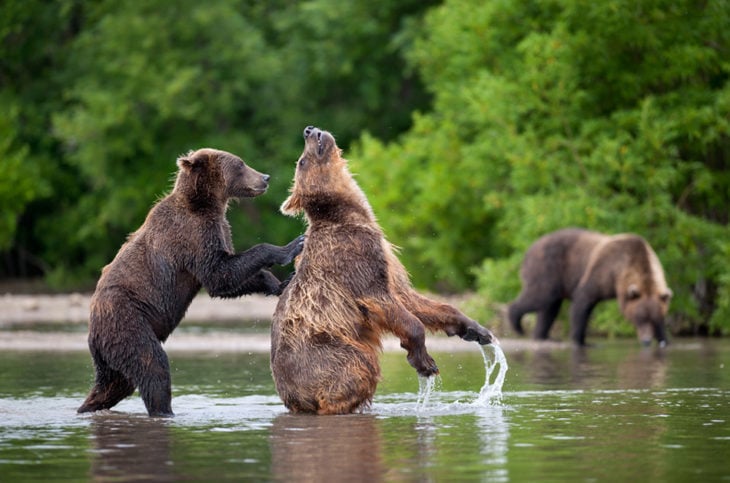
(642, 291)
(323, 185)
(211, 177)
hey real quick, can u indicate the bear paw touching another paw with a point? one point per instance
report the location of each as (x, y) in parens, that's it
(184, 244)
(588, 267)
(348, 289)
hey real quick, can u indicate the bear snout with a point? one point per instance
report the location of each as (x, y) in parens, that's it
(308, 131)
(319, 140)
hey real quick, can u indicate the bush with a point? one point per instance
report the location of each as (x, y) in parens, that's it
(613, 116)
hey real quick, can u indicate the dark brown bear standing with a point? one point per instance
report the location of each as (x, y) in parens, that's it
(587, 267)
(348, 289)
(184, 243)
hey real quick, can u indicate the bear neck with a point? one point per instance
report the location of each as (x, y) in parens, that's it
(202, 191)
(201, 201)
(336, 208)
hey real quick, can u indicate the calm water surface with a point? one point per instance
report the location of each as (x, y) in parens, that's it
(615, 412)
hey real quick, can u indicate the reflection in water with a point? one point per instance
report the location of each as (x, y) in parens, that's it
(425, 448)
(326, 448)
(568, 415)
(582, 367)
(644, 369)
(131, 448)
(495, 439)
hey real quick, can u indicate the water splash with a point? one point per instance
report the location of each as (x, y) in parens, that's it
(491, 392)
(426, 387)
(430, 398)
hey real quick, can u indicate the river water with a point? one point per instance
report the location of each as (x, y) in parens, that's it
(614, 412)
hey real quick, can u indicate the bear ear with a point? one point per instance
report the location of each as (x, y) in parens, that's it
(192, 160)
(292, 206)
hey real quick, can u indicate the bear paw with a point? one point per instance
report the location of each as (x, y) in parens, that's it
(426, 366)
(290, 251)
(479, 334)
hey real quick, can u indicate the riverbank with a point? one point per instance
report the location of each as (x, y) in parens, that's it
(63, 318)
(74, 308)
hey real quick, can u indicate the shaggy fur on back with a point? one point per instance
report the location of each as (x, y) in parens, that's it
(349, 288)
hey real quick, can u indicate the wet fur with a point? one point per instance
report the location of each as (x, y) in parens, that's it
(183, 245)
(348, 290)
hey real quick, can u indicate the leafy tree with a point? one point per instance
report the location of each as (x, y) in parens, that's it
(33, 39)
(147, 82)
(608, 115)
(133, 85)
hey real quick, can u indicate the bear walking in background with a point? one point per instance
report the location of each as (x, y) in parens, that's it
(587, 267)
(348, 289)
(184, 244)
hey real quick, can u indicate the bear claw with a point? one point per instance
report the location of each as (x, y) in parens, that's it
(479, 334)
(432, 370)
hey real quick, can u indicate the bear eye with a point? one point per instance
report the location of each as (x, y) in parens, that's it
(665, 297)
(302, 161)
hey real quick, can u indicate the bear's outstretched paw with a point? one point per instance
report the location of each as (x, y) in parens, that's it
(426, 367)
(480, 334)
(291, 250)
(429, 371)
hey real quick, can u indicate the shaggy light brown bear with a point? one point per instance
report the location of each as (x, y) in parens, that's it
(587, 267)
(348, 289)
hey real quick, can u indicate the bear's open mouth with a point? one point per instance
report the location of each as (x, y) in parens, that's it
(319, 144)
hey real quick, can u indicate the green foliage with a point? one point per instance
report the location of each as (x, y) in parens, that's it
(608, 115)
(145, 83)
(19, 175)
(113, 91)
(543, 114)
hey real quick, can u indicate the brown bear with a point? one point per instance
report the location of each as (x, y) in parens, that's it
(348, 288)
(587, 267)
(183, 245)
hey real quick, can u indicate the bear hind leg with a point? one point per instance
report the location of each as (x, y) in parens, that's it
(524, 304)
(514, 314)
(110, 388)
(155, 385)
(545, 319)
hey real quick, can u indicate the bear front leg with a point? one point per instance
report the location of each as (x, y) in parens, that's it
(282, 255)
(264, 282)
(225, 275)
(580, 311)
(404, 325)
(444, 317)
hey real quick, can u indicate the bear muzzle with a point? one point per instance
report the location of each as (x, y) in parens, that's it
(318, 141)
